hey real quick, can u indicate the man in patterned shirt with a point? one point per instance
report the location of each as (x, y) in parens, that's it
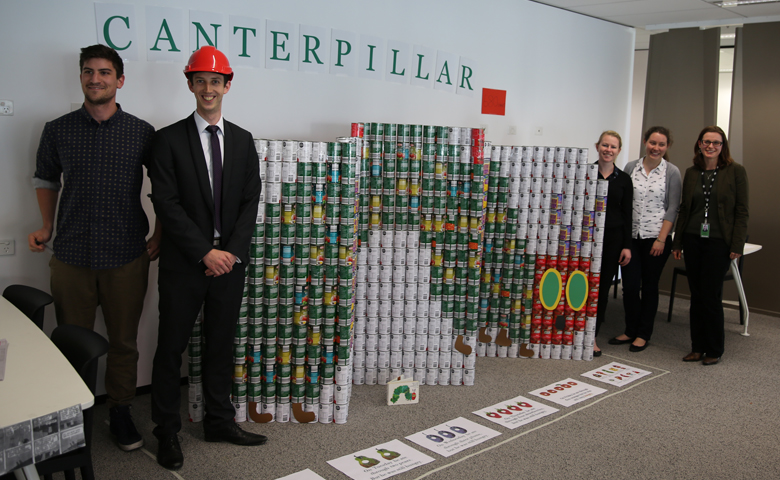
(101, 255)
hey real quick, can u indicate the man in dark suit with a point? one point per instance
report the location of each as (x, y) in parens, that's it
(205, 190)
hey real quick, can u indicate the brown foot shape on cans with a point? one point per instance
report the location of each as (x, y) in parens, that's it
(525, 352)
(300, 415)
(251, 409)
(503, 338)
(462, 347)
(484, 337)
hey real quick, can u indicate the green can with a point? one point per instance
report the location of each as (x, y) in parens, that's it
(284, 332)
(388, 219)
(334, 149)
(318, 234)
(347, 194)
(332, 212)
(333, 192)
(272, 232)
(414, 221)
(346, 210)
(316, 314)
(288, 232)
(302, 233)
(273, 212)
(289, 192)
(391, 132)
(272, 254)
(319, 173)
(348, 172)
(377, 131)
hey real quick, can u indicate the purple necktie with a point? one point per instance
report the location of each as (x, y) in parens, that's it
(216, 164)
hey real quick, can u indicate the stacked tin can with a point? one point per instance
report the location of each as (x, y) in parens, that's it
(194, 349)
(417, 216)
(554, 209)
(300, 283)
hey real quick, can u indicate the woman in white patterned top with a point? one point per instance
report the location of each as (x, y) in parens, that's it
(657, 189)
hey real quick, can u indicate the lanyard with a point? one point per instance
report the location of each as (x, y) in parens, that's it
(707, 192)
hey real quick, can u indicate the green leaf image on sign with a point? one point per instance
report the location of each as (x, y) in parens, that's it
(550, 289)
(577, 290)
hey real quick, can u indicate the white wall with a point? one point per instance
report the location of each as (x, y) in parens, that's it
(638, 102)
(569, 74)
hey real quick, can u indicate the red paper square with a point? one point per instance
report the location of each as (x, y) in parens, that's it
(493, 101)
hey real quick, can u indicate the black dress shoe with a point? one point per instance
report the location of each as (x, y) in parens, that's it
(169, 452)
(635, 348)
(596, 353)
(617, 341)
(231, 433)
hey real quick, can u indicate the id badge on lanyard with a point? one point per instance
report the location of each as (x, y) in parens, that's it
(705, 226)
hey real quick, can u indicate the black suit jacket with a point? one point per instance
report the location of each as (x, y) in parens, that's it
(183, 201)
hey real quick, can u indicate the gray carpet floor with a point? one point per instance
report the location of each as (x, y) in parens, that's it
(684, 421)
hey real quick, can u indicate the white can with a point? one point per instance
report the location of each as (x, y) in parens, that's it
(408, 342)
(431, 376)
(397, 325)
(382, 376)
(444, 376)
(383, 325)
(602, 189)
(421, 343)
(326, 392)
(457, 360)
(408, 359)
(399, 257)
(424, 274)
(373, 252)
(445, 359)
(566, 352)
(359, 376)
(576, 353)
(418, 375)
(445, 341)
(326, 413)
(282, 412)
(370, 376)
(413, 239)
(396, 359)
(342, 374)
(456, 376)
(468, 376)
(371, 359)
(421, 326)
(387, 237)
(446, 327)
(386, 256)
(396, 342)
(374, 240)
(312, 408)
(399, 241)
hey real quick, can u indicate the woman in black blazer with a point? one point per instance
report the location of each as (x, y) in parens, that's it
(711, 229)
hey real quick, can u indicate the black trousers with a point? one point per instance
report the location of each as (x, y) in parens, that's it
(613, 245)
(706, 261)
(640, 286)
(181, 297)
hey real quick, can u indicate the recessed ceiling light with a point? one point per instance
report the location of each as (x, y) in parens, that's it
(740, 3)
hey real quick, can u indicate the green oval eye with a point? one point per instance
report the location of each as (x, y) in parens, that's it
(550, 289)
(577, 290)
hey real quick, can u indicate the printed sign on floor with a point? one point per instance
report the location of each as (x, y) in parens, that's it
(452, 437)
(616, 374)
(380, 461)
(302, 475)
(515, 412)
(568, 392)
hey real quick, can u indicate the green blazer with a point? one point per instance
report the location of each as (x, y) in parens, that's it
(731, 199)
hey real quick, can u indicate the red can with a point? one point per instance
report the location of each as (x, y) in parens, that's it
(546, 336)
(585, 264)
(536, 320)
(574, 263)
(557, 337)
(541, 262)
(579, 324)
(592, 309)
(357, 130)
(563, 265)
(536, 335)
(552, 261)
(568, 337)
(569, 322)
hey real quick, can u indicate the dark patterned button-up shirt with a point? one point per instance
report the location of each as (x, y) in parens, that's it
(101, 223)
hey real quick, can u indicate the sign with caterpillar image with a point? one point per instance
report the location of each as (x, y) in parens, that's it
(380, 461)
(403, 391)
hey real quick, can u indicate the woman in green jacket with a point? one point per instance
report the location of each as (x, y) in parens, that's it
(711, 230)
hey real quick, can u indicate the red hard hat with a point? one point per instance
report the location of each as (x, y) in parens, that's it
(209, 59)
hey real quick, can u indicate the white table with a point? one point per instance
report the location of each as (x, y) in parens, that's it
(38, 378)
(749, 248)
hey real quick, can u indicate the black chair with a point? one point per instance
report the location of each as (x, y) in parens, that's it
(83, 348)
(29, 300)
(729, 276)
